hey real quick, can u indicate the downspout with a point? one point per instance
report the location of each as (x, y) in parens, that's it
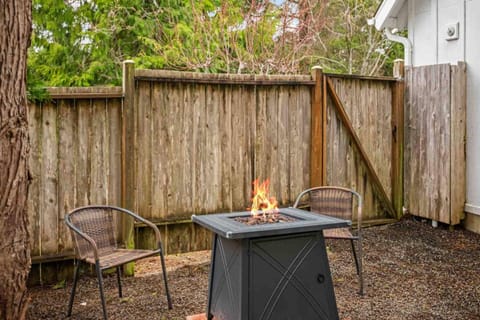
(407, 45)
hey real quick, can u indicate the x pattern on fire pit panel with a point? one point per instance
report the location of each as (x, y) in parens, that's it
(289, 279)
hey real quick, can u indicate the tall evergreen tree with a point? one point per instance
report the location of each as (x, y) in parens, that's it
(83, 42)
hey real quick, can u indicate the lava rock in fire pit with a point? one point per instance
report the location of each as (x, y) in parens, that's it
(264, 218)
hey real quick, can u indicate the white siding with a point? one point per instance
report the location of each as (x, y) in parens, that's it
(424, 38)
(428, 22)
(450, 12)
(472, 57)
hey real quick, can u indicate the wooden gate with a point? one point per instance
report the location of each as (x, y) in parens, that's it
(357, 138)
(435, 142)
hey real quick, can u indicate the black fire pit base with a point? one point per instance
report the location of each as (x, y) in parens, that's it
(272, 277)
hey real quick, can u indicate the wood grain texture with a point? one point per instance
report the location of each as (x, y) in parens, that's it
(367, 104)
(97, 152)
(353, 138)
(49, 182)
(318, 129)
(458, 140)
(66, 169)
(114, 151)
(435, 142)
(34, 163)
(76, 161)
(143, 150)
(184, 148)
(159, 152)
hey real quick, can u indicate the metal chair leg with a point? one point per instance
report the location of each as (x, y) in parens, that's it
(119, 282)
(355, 256)
(74, 287)
(164, 270)
(100, 287)
(360, 266)
(358, 263)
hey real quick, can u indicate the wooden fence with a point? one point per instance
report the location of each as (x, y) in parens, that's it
(435, 142)
(171, 144)
(75, 160)
(360, 139)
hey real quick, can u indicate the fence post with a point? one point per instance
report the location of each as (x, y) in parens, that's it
(398, 93)
(458, 105)
(318, 155)
(128, 156)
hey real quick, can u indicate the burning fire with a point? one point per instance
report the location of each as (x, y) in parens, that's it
(261, 202)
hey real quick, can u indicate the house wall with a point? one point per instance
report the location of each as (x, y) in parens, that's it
(428, 24)
(428, 21)
(472, 57)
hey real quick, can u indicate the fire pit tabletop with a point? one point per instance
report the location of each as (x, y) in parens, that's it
(224, 224)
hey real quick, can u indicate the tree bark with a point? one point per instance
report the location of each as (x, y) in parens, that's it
(15, 29)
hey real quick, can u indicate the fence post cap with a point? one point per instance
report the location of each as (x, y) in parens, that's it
(316, 72)
(398, 68)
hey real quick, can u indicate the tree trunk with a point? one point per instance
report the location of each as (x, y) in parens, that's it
(15, 29)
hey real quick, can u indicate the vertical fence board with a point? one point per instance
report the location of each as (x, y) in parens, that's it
(260, 135)
(114, 150)
(159, 151)
(271, 126)
(226, 149)
(35, 169)
(49, 182)
(296, 123)
(144, 149)
(306, 123)
(458, 136)
(66, 169)
(283, 175)
(199, 150)
(98, 146)
(214, 98)
(82, 171)
(442, 133)
(188, 150)
(174, 118)
(240, 152)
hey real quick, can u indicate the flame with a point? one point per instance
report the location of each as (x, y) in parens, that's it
(261, 201)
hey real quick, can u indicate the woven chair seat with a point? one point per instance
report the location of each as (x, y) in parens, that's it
(338, 233)
(119, 257)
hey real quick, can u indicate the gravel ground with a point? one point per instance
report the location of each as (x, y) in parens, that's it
(412, 271)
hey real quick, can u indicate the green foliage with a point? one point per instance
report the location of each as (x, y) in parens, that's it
(36, 91)
(59, 285)
(83, 42)
(351, 46)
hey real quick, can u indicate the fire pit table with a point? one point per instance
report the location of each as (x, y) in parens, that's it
(271, 270)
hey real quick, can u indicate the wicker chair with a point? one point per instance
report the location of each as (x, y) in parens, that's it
(94, 232)
(337, 202)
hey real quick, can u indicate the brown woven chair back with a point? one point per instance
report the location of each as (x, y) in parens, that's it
(334, 202)
(97, 223)
(342, 203)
